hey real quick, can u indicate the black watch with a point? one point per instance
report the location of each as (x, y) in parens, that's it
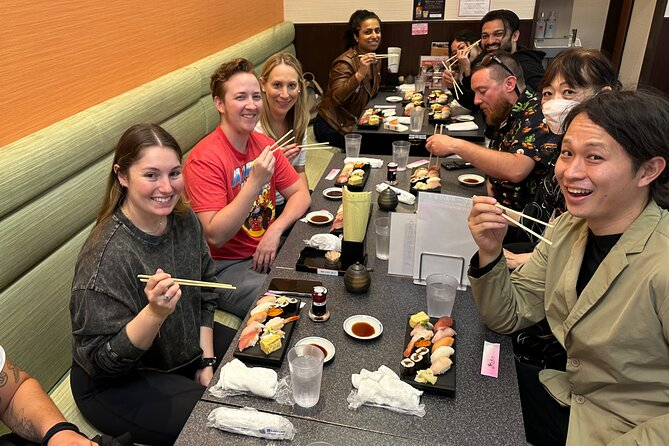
(206, 362)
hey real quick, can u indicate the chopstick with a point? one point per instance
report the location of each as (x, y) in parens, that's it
(317, 148)
(520, 225)
(381, 56)
(314, 145)
(288, 141)
(281, 139)
(523, 215)
(188, 282)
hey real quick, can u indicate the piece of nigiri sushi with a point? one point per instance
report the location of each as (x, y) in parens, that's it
(266, 298)
(420, 334)
(439, 334)
(441, 365)
(443, 351)
(277, 323)
(443, 322)
(447, 341)
(249, 335)
(258, 317)
(426, 326)
(264, 307)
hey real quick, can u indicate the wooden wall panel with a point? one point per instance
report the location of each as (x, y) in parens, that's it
(63, 56)
(317, 52)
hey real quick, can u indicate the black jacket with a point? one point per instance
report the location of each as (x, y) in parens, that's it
(530, 61)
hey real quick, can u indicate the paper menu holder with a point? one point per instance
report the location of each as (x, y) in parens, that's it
(458, 262)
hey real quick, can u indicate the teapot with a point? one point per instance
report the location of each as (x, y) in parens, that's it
(388, 200)
(357, 279)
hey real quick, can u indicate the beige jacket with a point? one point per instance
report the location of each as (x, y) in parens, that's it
(346, 98)
(616, 333)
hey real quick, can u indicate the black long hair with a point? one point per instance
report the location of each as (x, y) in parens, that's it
(354, 24)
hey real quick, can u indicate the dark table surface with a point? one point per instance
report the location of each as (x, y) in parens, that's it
(378, 141)
(483, 410)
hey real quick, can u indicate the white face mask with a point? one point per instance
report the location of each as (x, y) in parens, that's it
(555, 112)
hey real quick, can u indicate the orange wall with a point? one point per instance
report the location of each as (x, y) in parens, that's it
(59, 57)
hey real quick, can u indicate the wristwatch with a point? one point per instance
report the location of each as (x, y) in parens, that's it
(206, 362)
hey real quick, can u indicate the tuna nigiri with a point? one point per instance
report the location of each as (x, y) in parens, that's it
(442, 333)
(443, 322)
(420, 334)
(249, 335)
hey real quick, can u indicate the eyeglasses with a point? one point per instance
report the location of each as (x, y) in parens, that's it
(489, 58)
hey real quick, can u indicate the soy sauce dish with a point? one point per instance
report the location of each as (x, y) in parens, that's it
(363, 327)
(319, 217)
(333, 193)
(323, 344)
(471, 179)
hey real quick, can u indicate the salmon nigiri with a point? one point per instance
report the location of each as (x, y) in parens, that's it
(447, 341)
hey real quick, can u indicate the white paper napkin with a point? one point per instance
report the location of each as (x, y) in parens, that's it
(395, 127)
(402, 195)
(385, 389)
(238, 378)
(461, 127)
(374, 162)
(324, 242)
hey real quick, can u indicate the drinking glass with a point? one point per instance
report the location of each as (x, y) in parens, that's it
(382, 229)
(420, 83)
(353, 141)
(306, 370)
(416, 118)
(394, 53)
(441, 289)
(401, 154)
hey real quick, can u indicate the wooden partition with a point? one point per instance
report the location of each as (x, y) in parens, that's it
(318, 44)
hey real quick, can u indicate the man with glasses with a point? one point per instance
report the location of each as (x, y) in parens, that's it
(521, 144)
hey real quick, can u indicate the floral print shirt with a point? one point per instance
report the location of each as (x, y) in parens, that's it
(525, 132)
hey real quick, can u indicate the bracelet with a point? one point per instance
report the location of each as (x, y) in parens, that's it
(208, 362)
(62, 426)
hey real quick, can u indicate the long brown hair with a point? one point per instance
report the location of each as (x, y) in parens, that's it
(128, 151)
(297, 116)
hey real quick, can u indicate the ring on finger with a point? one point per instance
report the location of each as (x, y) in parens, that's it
(167, 298)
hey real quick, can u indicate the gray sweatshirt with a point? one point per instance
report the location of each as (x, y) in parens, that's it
(106, 295)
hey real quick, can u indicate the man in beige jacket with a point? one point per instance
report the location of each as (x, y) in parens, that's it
(602, 283)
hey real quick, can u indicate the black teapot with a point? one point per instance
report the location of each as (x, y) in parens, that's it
(388, 200)
(357, 279)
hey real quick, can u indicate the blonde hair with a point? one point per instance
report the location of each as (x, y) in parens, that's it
(128, 151)
(298, 116)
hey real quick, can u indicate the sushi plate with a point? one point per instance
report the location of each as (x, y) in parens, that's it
(326, 346)
(445, 384)
(257, 356)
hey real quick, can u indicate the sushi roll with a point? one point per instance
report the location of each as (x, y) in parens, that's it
(420, 361)
(407, 367)
(293, 305)
(424, 352)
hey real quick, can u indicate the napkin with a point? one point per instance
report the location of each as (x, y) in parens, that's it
(395, 127)
(325, 242)
(356, 214)
(236, 378)
(374, 162)
(461, 126)
(384, 388)
(402, 195)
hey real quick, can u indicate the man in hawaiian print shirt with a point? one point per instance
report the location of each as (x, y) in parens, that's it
(522, 144)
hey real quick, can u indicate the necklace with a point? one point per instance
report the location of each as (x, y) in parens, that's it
(156, 231)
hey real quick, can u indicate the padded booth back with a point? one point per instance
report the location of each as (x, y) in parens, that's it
(51, 187)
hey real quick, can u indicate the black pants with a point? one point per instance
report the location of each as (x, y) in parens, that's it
(152, 406)
(325, 133)
(546, 421)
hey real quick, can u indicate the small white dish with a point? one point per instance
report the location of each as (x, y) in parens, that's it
(333, 193)
(370, 320)
(389, 113)
(406, 120)
(319, 217)
(320, 342)
(394, 99)
(462, 118)
(471, 179)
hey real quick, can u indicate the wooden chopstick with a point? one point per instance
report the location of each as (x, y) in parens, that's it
(314, 145)
(288, 141)
(280, 139)
(520, 225)
(188, 282)
(317, 148)
(381, 56)
(523, 215)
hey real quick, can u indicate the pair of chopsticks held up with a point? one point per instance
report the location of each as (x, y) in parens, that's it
(187, 282)
(276, 146)
(521, 226)
(456, 87)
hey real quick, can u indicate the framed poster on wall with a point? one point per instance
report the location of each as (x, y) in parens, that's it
(428, 9)
(473, 8)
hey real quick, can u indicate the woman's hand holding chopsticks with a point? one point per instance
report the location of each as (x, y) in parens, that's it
(162, 292)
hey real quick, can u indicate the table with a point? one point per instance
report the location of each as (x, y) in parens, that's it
(378, 141)
(484, 409)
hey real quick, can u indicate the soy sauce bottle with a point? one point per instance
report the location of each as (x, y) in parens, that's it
(319, 311)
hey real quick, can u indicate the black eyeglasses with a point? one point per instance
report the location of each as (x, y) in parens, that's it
(489, 58)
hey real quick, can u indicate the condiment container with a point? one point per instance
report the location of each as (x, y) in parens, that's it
(357, 279)
(388, 200)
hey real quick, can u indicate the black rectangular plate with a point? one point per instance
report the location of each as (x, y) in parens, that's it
(296, 285)
(360, 187)
(370, 127)
(255, 354)
(311, 259)
(431, 120)
(445, 384)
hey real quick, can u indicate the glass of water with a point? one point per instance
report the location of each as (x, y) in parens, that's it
(306, 370)
(441, 289)
(382, 229)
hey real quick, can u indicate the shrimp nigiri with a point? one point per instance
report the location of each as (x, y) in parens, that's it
(420, 334)
(277, 323)
(249, 335)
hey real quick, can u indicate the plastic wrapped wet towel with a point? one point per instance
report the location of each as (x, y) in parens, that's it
(384, 388)
(237, 379)
(402, 195)
(248, 421)
(324, 242)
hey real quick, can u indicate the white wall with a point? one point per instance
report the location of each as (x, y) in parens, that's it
(635, 44)
(339, 11)
(589, 18)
